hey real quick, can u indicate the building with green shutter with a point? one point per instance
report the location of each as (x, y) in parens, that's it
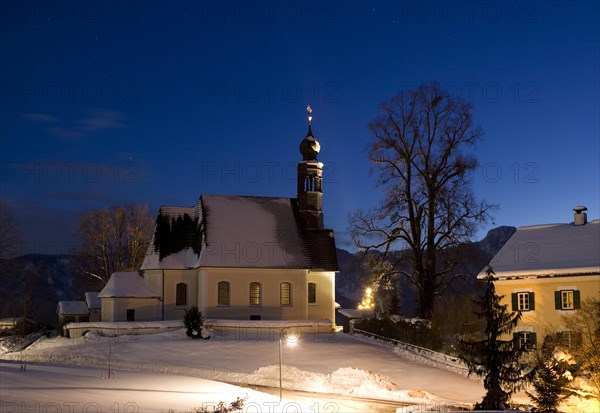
(546, 271)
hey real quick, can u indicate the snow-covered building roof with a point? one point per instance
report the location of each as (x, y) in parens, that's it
(549, 250)
(127, 284)
(355, 313)
(92, 301)
(239, 232)
(11, 322)
(72, 308)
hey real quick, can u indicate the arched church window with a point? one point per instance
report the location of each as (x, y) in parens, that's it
(223, 293)
(285, 293)
(255, 293)
(181, 294)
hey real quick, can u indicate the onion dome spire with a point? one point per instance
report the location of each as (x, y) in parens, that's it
(309, 147)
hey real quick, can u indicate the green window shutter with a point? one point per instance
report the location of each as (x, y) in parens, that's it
(515, 302)
(557, 300)
(576, 299)
(533, 339)
(531, 302)
(516, 343)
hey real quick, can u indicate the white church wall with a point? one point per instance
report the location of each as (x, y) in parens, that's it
(115, 309)
(239, 306)
(172, 278)
(324, 307)
(154, 280)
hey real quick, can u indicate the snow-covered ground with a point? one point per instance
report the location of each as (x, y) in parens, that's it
(170, 371)
(323, 363)
(45, 388)
(329, 363)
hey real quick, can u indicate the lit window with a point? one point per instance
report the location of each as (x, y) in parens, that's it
(223, 293)
(181, 294)
(567, 300)
(312, 293)
(523, 301)
(285, 293)
(255, 293)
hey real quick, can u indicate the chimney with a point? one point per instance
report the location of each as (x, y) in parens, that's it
(579, 217)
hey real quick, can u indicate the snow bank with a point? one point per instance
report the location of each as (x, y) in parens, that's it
(113, 329)
(126, 325)
(347, 381)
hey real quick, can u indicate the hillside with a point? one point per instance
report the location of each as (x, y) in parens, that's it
(41, 281)
(353, 278)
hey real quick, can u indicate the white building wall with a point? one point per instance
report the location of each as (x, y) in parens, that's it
(115, 309)
(172, 277)
(239, 281)
(324, 308)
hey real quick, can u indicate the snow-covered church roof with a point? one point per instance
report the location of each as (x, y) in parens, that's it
(127, 284)
(548, 250)
(239, 232)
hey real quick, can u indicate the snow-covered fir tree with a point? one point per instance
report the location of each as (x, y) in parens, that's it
(496, 360)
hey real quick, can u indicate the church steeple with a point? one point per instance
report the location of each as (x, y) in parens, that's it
(310, 177)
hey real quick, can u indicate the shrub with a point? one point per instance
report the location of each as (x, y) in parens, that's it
(194, 323)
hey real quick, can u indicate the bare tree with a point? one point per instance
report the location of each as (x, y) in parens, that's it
(418, 154)
(10, 235)
(114, 239)
(29, 284)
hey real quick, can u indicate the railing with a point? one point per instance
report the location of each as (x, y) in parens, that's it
(436, 356)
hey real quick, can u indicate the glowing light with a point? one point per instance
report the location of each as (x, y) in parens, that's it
(367, 302)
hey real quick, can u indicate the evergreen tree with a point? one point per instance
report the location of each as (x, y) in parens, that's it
(194, 323)
(495, 359)
(552, 378)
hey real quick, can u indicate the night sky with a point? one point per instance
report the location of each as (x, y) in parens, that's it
(105, 103)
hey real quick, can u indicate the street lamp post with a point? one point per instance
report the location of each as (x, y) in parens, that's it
(290, 339)
(280, 375)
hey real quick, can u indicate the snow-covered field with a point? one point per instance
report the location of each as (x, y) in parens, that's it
(170, 371)
(324, 363)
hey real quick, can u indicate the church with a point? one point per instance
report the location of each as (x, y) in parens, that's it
(236, 258)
